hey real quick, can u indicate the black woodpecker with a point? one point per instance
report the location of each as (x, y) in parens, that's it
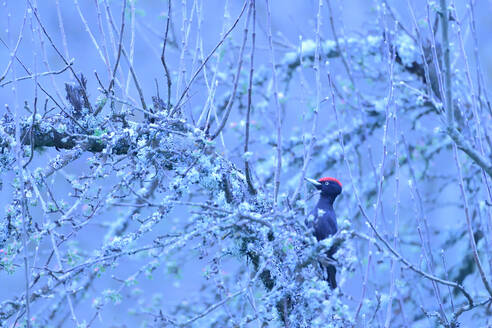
(325, 219)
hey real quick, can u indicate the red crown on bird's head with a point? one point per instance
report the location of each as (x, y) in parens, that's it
(330, 179)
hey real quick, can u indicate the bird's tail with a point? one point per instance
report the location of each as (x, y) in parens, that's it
(331, 276)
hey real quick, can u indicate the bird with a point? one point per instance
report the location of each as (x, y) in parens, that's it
(325, 219)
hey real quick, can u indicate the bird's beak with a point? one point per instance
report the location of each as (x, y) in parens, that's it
(314, 182)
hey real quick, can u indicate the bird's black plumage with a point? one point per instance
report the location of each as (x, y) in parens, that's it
(324, 220)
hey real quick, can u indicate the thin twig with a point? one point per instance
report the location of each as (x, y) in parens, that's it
(121, 50)
(22, 183)
(120, 46)
(391, 53)
(393, 251)
(178, 103)
(13, 54)
(163, 58)
(27, 77)
(91, 36)
(411, 266)
(482, 92)
(29, 72)
(278, 120)
(314, 127)
(231, 296)
(396, 226)
(185, 29)
(435, 58)
(342, 53)
(448, 99)
(33, 120)
(62, 28)
(447, 277)
(82, 87)
(247, 169)
(451, 127)
(209, 105)
(398, 21)
(471, 235)
(103, 35)
(135, 80)
(132, 45)
(236, 79)
(428, 81)
(478, 125)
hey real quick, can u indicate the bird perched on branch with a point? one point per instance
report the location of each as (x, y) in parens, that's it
(325, 219)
